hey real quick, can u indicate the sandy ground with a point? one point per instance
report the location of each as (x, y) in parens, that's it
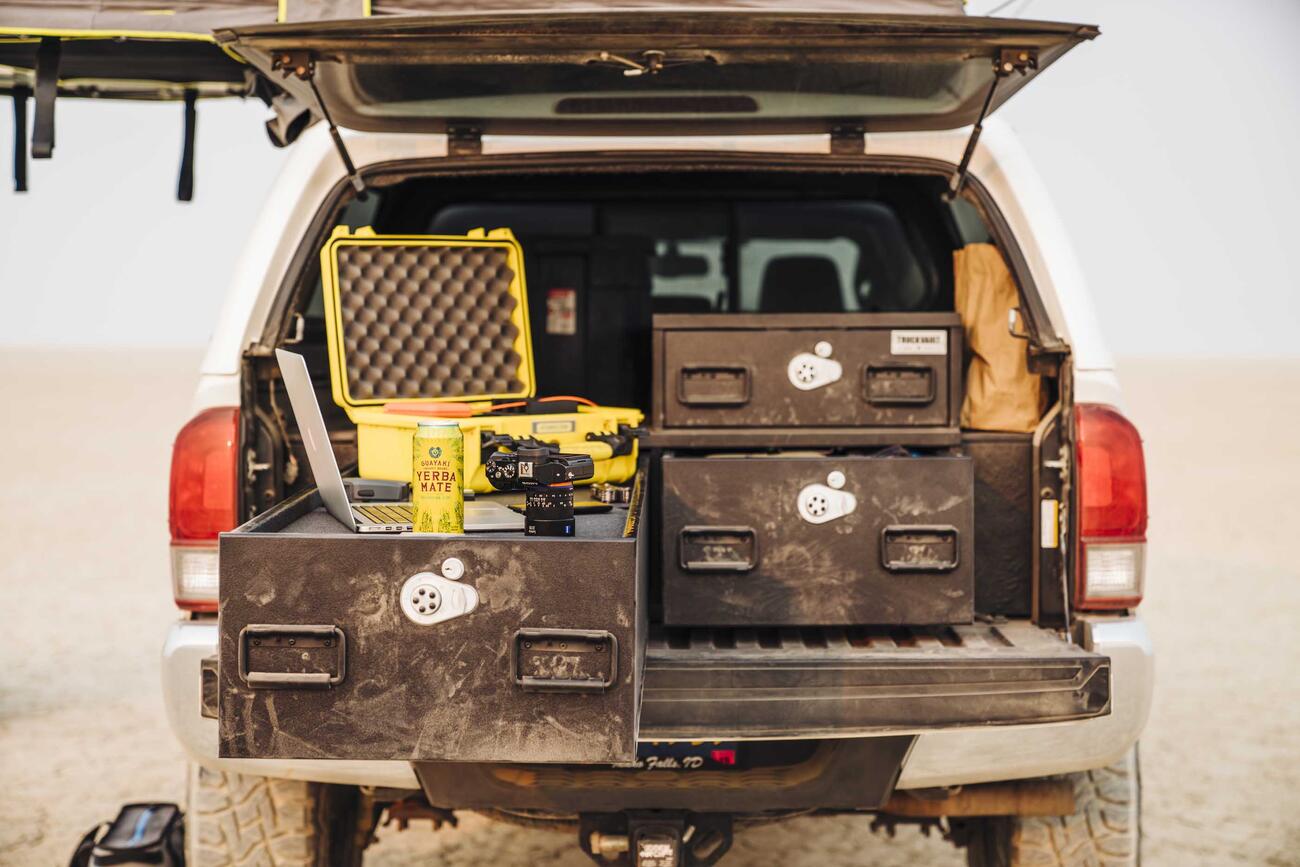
(85, 601)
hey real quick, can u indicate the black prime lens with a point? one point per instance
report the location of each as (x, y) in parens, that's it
(548, 511)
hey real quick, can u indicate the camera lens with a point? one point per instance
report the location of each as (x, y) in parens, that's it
(549, 511)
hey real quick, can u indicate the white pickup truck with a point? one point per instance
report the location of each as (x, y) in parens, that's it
(771, 158)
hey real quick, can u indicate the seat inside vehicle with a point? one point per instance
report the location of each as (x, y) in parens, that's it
(604, 252)
(801, 284)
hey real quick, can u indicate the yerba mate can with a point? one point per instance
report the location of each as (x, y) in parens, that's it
(438, 477)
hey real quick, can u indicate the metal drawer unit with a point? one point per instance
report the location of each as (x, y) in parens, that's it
(807, 379)
(483, 647)
(753, 540)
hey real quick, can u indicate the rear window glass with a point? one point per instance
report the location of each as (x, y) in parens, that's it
(777, 257)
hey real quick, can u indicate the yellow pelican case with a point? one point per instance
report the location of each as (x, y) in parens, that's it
(418, 320)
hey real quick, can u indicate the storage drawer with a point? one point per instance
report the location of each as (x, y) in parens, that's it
(803, 540)
(807, 370)
(333, 644)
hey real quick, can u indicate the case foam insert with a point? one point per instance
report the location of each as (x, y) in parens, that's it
(423, 321)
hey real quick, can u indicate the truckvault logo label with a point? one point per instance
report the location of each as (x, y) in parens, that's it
(920, 342)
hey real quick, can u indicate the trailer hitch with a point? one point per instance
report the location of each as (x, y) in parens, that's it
(655, 838)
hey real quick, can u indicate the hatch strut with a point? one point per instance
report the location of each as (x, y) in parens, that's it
(1009, 60)
(303, 65)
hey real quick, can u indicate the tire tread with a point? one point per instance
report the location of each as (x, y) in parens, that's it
(1102, 832)
(237, 820)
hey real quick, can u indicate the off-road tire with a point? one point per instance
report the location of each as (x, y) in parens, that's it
(235, 820)
(1103, 831)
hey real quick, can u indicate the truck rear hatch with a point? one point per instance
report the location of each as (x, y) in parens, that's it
(658, 69)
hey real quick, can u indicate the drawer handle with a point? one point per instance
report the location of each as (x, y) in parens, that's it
(898, 384)
(717, 549)
(564, 660)
(265, 639)
(713, 385)
(920, 548)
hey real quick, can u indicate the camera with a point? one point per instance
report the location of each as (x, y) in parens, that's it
(546, 475)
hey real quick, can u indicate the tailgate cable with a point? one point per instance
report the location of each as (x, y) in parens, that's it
(302, 65)
(1009, 60)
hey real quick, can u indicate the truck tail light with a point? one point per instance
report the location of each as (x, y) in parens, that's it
(203, 503)
(1112, 498)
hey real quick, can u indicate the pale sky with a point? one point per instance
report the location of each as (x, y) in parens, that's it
(1170, 144)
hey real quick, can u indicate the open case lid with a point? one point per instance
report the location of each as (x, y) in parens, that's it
(426, 317)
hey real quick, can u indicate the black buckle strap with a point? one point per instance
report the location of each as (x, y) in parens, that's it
(48, 55)
(20, 95)
(185, 184)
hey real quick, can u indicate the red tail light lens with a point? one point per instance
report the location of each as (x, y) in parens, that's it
(1112, 509)
(203, 502)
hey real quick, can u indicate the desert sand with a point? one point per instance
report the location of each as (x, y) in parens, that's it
(85, 601)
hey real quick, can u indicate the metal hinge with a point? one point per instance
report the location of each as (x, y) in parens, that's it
(1046, 360)
(464, 139)
(848, 139)
(1017, 60)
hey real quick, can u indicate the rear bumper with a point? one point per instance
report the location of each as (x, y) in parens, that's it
(940, 756)
(964, 756)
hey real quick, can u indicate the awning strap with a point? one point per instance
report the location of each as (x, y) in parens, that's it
(185, 184)
(20, 95)
(47, 88)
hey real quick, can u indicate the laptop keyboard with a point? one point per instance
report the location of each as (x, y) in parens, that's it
(387, 513)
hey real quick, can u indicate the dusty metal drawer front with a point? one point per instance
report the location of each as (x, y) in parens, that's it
(774, 371)
(539, 661)
(785, 540)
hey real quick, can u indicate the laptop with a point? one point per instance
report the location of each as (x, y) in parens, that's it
(369, 517)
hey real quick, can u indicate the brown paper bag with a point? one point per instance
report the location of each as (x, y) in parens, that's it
(1001, 393)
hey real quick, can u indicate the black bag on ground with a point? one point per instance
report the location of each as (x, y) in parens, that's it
(141, 834)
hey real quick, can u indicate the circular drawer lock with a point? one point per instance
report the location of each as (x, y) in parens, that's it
(428, 598)
(818, 504)
(425, 599)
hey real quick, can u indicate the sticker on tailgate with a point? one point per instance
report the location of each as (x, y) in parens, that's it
(919, 342)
